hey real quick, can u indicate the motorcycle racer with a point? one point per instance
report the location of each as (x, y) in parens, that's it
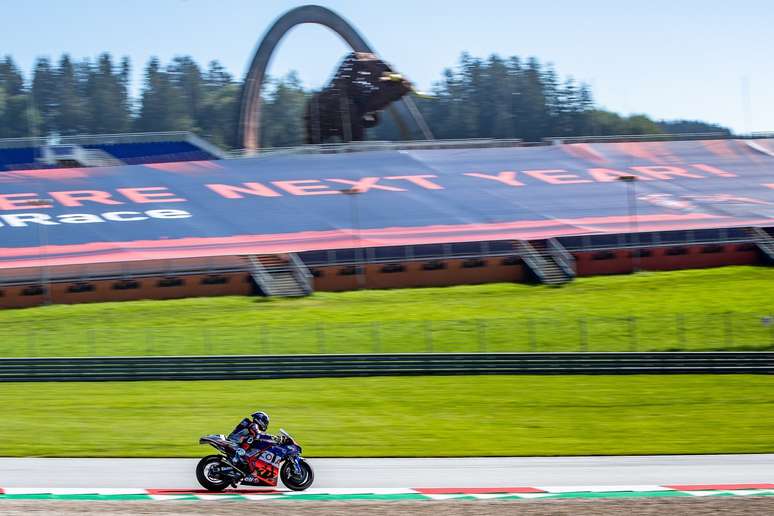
(268, 459)
(255, 425)
(251, 439)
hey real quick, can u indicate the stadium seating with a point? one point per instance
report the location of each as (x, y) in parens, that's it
(127, 149)
(16, 158)
(154, 152)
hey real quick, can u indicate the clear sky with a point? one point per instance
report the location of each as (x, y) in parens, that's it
(696, 59)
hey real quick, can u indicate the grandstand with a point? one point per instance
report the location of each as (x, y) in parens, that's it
(104, 150)
(375, 215)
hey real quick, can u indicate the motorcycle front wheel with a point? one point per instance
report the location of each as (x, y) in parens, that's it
(297, 482)
(207, 473)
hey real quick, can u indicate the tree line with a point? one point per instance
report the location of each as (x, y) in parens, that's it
(478, 98)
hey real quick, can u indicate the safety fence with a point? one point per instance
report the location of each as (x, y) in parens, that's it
(725, 331)
(308, 366)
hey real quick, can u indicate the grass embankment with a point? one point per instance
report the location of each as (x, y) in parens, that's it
(693, 310)
(409, 416)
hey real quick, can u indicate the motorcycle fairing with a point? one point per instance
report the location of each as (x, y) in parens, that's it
(265, 465)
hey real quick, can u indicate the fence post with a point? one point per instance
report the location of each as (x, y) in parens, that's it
(206, 341)
(632, 333)
(583, 331)
(428, 337)
(264, 340)
(709, 331)
(481, 331)
(680, 324)
(729, 331)
(376, 337)
(31, 336)
(531, 334)
(321, 337)
(92, 347)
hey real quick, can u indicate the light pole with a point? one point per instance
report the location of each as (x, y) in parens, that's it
(45, 279)
(352, 193)
(634, 238)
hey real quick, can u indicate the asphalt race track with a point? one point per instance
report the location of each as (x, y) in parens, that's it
(386, 473)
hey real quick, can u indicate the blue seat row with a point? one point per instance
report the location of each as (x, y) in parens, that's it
(153, 152)
(24, 158)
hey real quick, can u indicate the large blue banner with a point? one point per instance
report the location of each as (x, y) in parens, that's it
(290, 203)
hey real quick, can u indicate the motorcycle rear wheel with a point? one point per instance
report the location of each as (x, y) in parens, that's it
(293, 482)
(204, 472)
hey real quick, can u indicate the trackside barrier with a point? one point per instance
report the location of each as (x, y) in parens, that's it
(324, 366)
(195, 335)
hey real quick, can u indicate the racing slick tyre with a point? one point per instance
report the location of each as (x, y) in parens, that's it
(300, 482)
(207, 473)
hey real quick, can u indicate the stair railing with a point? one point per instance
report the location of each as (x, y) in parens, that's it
(563, 258)
(532, 258)
(261, 276)
(301, 273)
(763, 240)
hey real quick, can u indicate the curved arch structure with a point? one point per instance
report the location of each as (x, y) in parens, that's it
(250, 111)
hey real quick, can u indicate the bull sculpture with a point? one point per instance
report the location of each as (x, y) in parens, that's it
(362, 86)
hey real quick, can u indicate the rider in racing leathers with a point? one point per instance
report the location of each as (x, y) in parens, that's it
(250, 437)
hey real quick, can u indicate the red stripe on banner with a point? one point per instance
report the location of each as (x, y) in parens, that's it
(584, 151)
(204, 491)
(477, 490)
(1, 491)
(720, 487)
(406, 234)
(102, 252)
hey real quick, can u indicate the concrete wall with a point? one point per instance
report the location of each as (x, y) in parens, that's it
(665, 258)
(149, 288)
(403, 275)
(414, 275)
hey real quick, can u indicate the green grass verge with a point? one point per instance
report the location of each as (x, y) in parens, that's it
(691, 310)
(406, 416)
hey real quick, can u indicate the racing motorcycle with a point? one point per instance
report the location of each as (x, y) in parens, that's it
(283, 460)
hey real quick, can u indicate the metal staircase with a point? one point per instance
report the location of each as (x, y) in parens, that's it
(551, 263)
(280, 275)
(764, 241)
(99, 158)
(76, 155)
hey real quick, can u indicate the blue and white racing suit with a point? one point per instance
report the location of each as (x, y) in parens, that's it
(250, 441)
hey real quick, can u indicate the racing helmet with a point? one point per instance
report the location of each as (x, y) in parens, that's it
(261, 419)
